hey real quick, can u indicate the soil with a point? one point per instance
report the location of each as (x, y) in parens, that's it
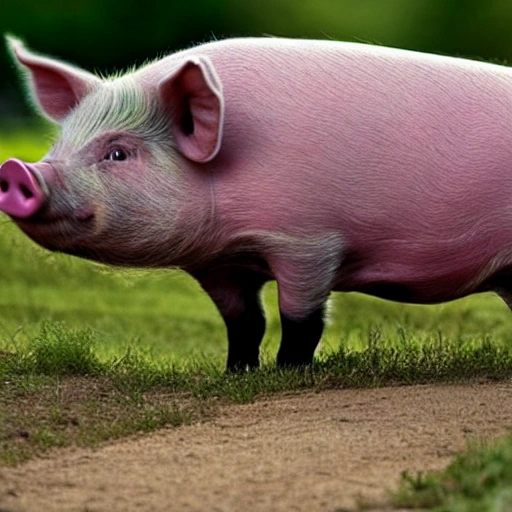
(308, 452)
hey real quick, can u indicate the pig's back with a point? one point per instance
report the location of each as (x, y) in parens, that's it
(367, 128)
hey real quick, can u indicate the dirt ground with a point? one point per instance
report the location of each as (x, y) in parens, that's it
(308, 452)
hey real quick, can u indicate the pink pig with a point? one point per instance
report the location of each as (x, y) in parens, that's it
(322, 165)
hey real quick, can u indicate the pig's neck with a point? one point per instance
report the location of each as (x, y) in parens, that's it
(197, 235)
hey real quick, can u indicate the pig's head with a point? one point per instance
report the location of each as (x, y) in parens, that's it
(126, 183)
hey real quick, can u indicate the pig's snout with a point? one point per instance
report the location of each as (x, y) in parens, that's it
(23, 190)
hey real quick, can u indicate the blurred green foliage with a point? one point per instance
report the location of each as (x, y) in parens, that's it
(106, 35)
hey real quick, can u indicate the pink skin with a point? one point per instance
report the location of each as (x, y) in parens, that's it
(22, 190)
(323, 165)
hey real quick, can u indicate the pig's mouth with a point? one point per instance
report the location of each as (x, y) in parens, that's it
(59, 232)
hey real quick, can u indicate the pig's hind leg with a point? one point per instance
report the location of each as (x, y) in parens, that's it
(236, 293)
(501, 284)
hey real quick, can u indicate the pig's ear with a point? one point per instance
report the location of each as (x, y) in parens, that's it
(56, 87)
(193, 95)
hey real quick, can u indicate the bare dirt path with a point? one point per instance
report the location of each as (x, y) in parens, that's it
(308, 452)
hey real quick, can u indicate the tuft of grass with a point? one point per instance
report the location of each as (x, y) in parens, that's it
(58, 350)
(418, 360)
(479, 480)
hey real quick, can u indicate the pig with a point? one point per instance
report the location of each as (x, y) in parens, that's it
(323, 165)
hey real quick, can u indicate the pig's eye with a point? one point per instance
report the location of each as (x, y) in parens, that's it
(116, 155)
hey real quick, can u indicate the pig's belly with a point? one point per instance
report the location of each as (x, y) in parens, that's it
(423, 276)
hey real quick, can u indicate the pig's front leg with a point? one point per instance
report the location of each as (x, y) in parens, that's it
(299, 338)
(304, 281)
(236, 295)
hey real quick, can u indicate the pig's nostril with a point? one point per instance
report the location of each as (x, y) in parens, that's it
(27, 193)
(4, 185)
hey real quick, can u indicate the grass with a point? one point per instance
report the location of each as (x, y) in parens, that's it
(57, 391)
(27, 139)
(89, 354)
(478, 480)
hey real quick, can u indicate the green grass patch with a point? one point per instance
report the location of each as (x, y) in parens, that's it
(56, 392)
(479, 480)
(27, 139)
